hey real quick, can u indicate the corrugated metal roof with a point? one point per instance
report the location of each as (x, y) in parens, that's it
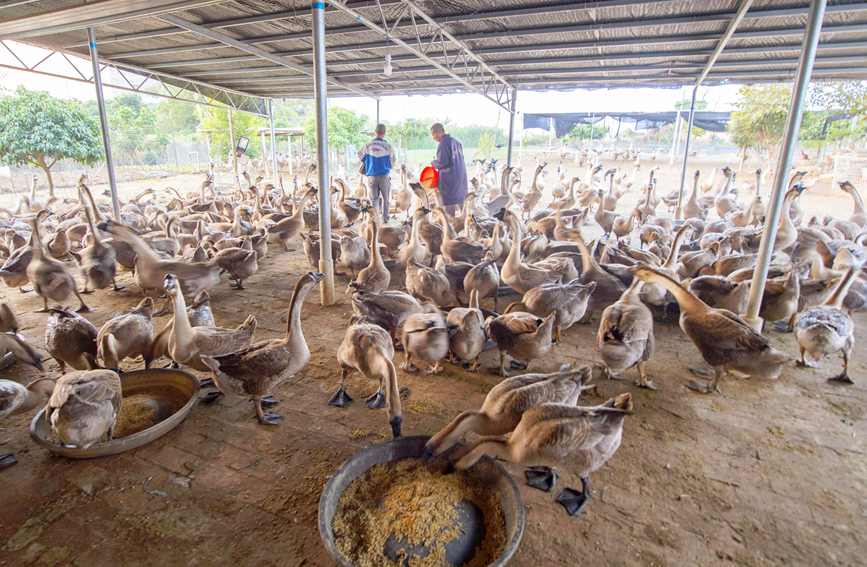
(531, 44)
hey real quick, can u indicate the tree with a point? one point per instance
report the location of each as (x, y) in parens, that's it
(134, 133)
(585, 132)
(38, 129)
(849, 97)
(760, 118)
(216, 121)
(344, 129)
(178, 115)
(412, 132)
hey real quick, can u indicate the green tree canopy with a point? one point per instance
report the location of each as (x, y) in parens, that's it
(760, 118)
(344, 129)
(38, 129)
(584, 131)
(216, 121)
(133, 133)
(177, 115)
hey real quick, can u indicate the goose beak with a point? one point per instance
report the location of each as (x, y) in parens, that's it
(317, 277)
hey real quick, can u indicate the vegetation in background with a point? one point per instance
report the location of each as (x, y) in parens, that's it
(760, 119)
(177, 116)
(344, 129)
(38, 129)
(216, 121)
(134, 134)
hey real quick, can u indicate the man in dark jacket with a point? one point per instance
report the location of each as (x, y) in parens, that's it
(451, 168)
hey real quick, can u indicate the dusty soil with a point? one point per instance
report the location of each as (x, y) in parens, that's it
(768, 473)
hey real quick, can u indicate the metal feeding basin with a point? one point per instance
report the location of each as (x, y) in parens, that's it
(470, 522)
(170, 394)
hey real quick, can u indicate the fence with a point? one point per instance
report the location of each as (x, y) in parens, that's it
(850, 167)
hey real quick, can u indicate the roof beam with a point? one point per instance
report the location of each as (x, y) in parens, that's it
(502, 89)
(92, 14)
(174, 20)
(730, 30)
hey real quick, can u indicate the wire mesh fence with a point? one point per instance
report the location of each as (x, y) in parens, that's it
(850, 167)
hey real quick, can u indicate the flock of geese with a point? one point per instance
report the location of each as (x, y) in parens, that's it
(417, 283)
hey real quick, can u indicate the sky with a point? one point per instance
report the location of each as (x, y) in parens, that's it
(462, 109)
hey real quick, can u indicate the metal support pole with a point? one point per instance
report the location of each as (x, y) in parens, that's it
(264, 152)
(592, 123)
(289, 152)
(234, 146)
(103, 123)
(326, 265)
(273, 140)
(675, 141)
(678, 212)
(512, 126)
(377, 111)
(790, 138)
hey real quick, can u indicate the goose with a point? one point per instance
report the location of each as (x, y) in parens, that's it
(458, 248)
(859, 215)
(8, 320)
(151, 271)
(98, 262)
(49, 276)
(415, 248)
(787, 232)
(254, 371)
(587, 436)
(655, 294)
(691, 208)
(286, 229)
(623, 226)
(198, 313)
(16, 399)
(567, 301)
(725, 341)
(431, 234)
(425, 336)
(508, 401)
(827, 328)
(388, 309)
(403, 201)
(516, 274)
(723, 202)
(127, 336)
(625, 337)
(69, 338)
(241, 263)
(428, 284)
(532, 198)
(708, 185)
(721, 292)
(466, 327)
(188, 344)
(507, 199)
(367, 348)
(84, 406)
(523, 336)
(374, 277)
(608, 287)
(484, 279)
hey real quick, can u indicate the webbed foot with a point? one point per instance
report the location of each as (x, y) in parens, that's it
(209, 398)
(701, 372)
(395, 426)
(86, 291)
(269, 402)
(807, 363)
(703, 387)
(340, 398)
(575, 500)
(781, 327)
(646, 384)
(542, 477)
(376, 401)
(409, 367)
(7, 460)
(842, 378)
(207, 383)
(269, 418)
(518, 365)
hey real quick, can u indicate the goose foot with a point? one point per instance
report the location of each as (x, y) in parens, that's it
(175, 366)
(209, 398)
(376, 401)
(701, 372)
(207, 383)
(398, 346)
(472, 367)
(83, 309)
(782, 327)
(117, 287)
(435, 369)
(269, 402)
(807, 363)
(646, 384)
(842, 378)
(7, 460)
(269, 418)
(575, 500)
(409, 367)
(340, 398)
(395, 426)
(86, 291)
(703, 387)
(542, 477)
(237, 286)
(518, 365)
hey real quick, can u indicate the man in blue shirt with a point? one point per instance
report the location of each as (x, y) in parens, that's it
(378, 157)
(451, 169)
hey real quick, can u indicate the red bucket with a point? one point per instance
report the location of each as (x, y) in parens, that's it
(428, 178)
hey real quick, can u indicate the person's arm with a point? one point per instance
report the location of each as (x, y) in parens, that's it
(444, 157)
(361, 152)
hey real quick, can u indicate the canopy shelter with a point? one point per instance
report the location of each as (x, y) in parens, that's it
(564, 122)
(253, 51)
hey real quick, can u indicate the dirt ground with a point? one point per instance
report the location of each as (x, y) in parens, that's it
(767, 473)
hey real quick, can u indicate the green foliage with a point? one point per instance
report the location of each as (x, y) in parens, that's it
(216, 121)
(760, 118)
(133, 133)
(292, 112)
(178, 116)
(849, 97)
(131, 101)
(412, 133)
(344, 129)
(684, 104)
(584, 131)
(38, 129)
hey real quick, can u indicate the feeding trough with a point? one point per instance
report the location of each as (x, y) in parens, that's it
(469, 528)
(169, 394)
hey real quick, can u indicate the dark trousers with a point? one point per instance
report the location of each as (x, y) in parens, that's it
(380, 190)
